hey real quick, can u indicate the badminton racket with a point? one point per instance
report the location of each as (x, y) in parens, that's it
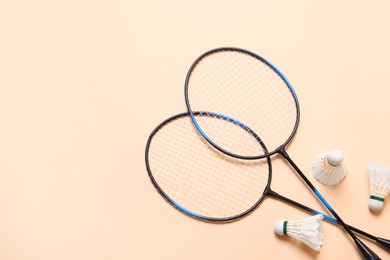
(248, 88)
(207, 184)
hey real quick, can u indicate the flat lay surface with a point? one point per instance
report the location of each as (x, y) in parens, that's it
(84, 83)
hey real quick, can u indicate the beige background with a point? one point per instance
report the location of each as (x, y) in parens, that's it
(83, 83)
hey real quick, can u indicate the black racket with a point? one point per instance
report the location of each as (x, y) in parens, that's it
(207, 184)
(246, 87)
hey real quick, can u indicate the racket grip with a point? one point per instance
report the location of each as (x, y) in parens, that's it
(367, 252)
(383, 242)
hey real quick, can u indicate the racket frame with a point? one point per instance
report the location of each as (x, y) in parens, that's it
(271, 66)
(177, 205)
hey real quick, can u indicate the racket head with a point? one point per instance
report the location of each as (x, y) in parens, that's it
(247, 87)
(199, 180)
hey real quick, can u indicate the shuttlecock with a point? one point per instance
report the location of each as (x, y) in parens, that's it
(379, 176)
(308, 230)
(329, 167)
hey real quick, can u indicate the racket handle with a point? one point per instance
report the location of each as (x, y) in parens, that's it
(367, 252)
(383, 242)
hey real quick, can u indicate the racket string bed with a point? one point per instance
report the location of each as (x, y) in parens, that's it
(234, 90)
(198, 177)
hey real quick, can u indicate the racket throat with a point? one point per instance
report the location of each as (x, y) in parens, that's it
(282, 151)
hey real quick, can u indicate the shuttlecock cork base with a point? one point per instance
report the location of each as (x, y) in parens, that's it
(329, 167)
(379, 177)
(308, 230)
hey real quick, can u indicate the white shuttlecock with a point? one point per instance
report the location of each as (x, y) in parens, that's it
(379, 176)
(308, 230)
(329, 167)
